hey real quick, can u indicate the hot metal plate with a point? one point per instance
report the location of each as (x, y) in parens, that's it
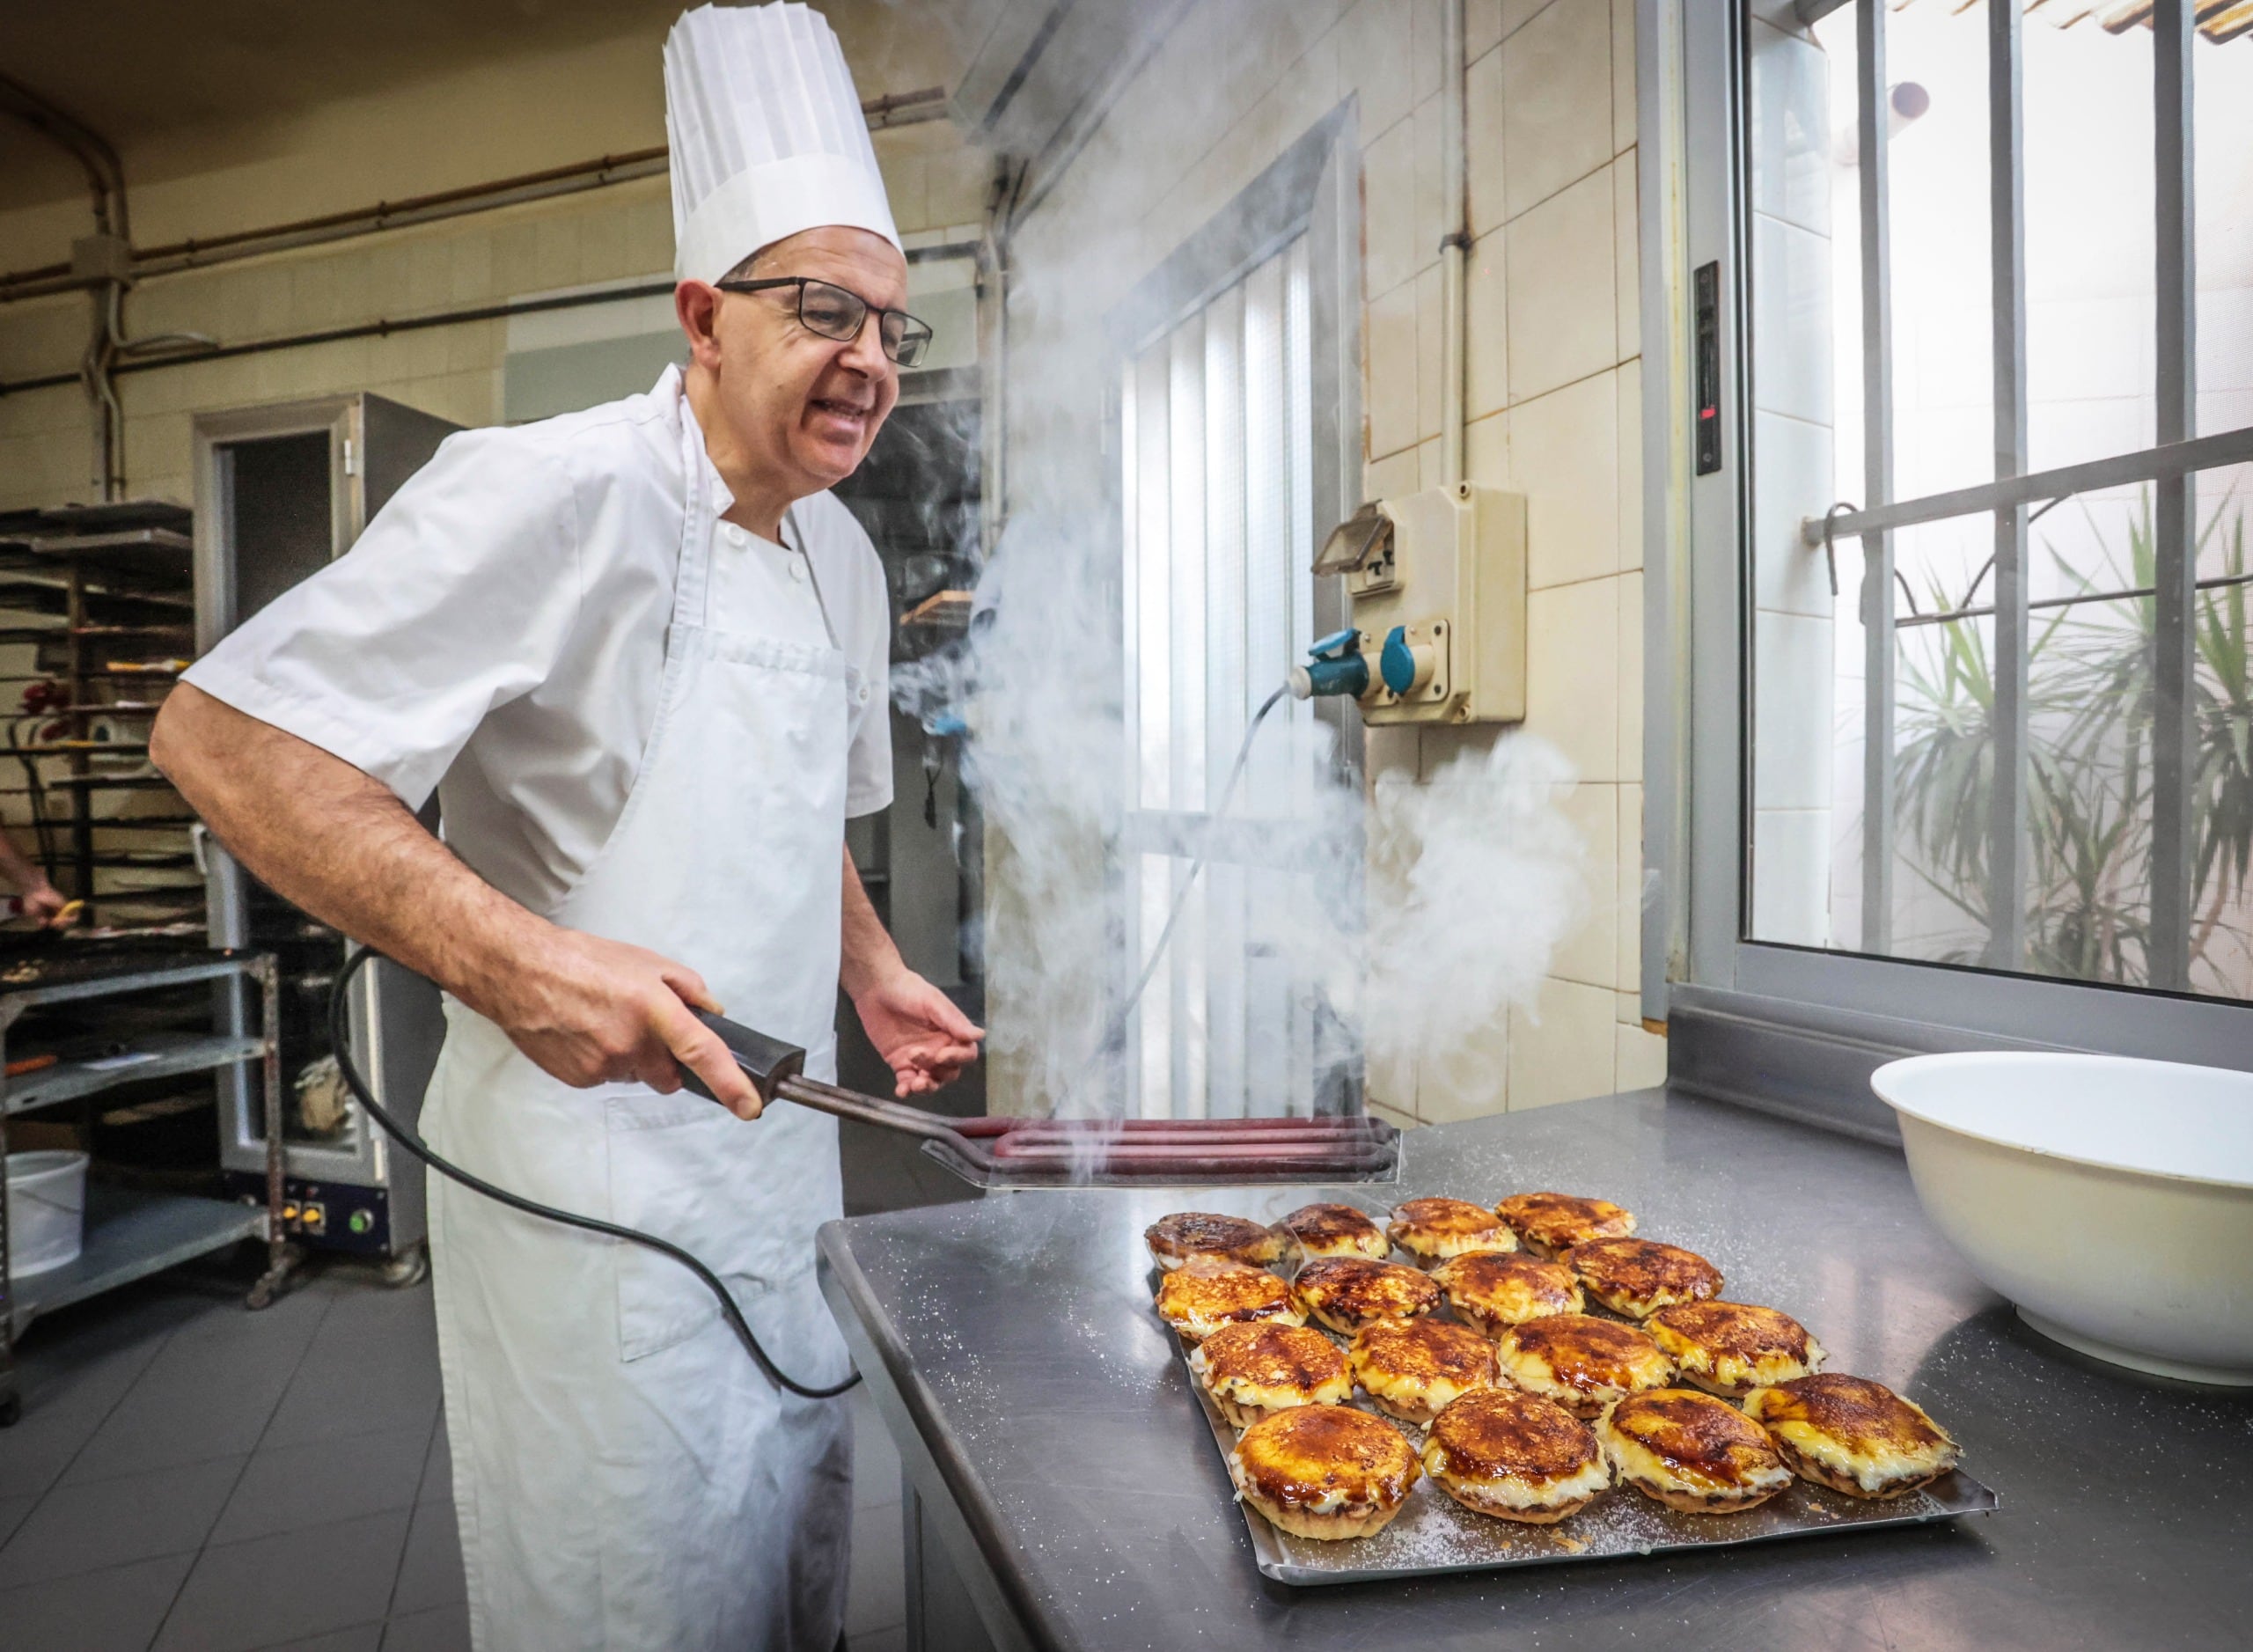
(1015, 1178)
(1434, 1533)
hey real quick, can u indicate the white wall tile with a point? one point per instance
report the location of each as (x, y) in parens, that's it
(1631, 677)
(1792, 481)
(1627, 970)
(1484, 169)
(1638, 1058)
(1482, 27)
(1564, 458)
(1374, 43)
(1573, 673)
(1470, 1082)
(1792, 727)
(1388, 202)
(1792, 133)
(1623, 103)
(1630, 379)
(1791, 876)
(1557, 260)
(1391, 341)
(1487, 379)
(1429, 367)
(1390, 477)
(1626, 261)
(1487, 450)
(1556, 99)
(1791, 323)
(1563, 1049)
(1517, 13)
(1589, 952)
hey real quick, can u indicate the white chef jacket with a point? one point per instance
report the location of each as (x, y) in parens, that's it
(499, 632)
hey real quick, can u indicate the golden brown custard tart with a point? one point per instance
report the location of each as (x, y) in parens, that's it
(1433, 1230)
(1254, 1367)
(1202, 1294)
(1175, 1239)
(1551, 1223)
(1324, 1470)
(1637, 1277)
(1515, 1456)
(1732, 1347)
(1854, 1436)
(1348, 1292)
(1495, 1290)
(1581, 1362)
(1334, 1231)
(1692, 1451)
(1415, 1369)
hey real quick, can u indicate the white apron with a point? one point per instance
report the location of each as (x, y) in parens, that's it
(624, 1476)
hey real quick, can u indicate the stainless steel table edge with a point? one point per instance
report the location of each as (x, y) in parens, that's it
(1010, 1613)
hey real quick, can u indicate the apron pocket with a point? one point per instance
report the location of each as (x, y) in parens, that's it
(743, 1199)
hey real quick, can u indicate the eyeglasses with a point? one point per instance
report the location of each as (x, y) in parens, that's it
(835, 313)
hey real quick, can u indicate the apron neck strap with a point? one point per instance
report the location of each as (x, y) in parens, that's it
(692, 581)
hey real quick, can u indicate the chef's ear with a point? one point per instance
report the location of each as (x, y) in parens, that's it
(697, 303)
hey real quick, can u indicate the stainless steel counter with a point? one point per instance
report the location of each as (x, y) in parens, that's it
(1063, 1487)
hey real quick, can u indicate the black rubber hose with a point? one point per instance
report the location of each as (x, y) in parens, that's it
(340, 1037)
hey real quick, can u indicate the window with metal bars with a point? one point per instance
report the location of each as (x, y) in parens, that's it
(1998, 331)
(1218, 494)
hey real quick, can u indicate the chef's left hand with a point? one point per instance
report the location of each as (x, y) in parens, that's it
(916, 1027)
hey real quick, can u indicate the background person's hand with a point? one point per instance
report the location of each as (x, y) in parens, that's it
(916, 1028)
(591, 1011)
(44, 902)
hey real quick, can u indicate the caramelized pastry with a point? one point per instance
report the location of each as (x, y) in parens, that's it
(1637, 1277)
(1730, 1348)
(1175, 1239)
(1551, 1223)
(1517, 1457)
(1433, 1230)
(1582, 1363)
(1415, 1369)
(1324, 1470)
(1692, 1451)
(1348, 1292)
(1854, 1436)
(1254, 1367)
(1334, 1231)
(1495, 1291)
(1202, 1294)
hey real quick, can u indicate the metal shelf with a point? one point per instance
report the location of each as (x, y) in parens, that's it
(166, 1053)
(129, 1236)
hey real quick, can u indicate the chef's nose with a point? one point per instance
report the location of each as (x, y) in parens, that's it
(865, 354)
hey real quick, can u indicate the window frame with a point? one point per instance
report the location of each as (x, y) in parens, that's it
(1311, 190)
(1842, 1010)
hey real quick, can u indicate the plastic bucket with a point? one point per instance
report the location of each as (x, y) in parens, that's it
(47, 1210)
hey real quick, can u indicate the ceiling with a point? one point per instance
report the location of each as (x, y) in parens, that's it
(137, 71)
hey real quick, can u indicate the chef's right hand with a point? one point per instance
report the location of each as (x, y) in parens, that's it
(591, 1011)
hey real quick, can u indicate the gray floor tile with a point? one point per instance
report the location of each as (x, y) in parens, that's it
(292, 1486)
(86, 1528)
(12, 1510)
(430, 1572)
(366, 1637)
(877, 1595)
(270, 1590)
(437, 1469)
(72, 1377)
(199, 1399)
(892, 1640)
(445, 1629)
(116, 1610)
(373, 1368)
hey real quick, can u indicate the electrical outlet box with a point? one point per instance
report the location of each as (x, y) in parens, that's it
(1438, 596)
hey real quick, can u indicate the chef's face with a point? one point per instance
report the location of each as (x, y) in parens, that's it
(804, 407)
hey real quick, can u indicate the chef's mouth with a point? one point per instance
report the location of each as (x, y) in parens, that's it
(841, 410)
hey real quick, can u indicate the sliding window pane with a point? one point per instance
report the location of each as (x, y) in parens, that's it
(2221, 78)
(2221, 760)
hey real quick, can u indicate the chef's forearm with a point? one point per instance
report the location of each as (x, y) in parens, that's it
(340, 845)
(867, 956)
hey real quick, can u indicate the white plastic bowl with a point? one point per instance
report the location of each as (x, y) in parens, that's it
(47, 1210)
(2110, 1200)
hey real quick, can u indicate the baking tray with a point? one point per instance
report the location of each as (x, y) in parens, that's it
(1435, 1534)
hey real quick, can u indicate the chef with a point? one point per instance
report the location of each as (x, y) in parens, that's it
(640, 654)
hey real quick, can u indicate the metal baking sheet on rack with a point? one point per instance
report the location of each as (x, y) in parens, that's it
(1003, 1180)
(1434, 1533)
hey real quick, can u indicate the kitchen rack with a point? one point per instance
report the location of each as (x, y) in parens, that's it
(106, 597)
(131, 1233)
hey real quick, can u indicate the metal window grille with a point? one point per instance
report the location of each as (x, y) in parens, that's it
(1217, 496)
(2015, 497)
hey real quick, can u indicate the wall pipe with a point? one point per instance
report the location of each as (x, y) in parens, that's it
(905, 108)
(104, 175)
(1455, 243)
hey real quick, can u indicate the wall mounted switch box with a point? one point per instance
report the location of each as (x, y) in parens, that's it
(1436, 581)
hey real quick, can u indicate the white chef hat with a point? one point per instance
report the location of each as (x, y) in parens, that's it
(767, 135)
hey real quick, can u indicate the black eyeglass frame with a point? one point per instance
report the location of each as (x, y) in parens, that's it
(891, 348)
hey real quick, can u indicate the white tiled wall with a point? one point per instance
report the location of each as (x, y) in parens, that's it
(1553, 387)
